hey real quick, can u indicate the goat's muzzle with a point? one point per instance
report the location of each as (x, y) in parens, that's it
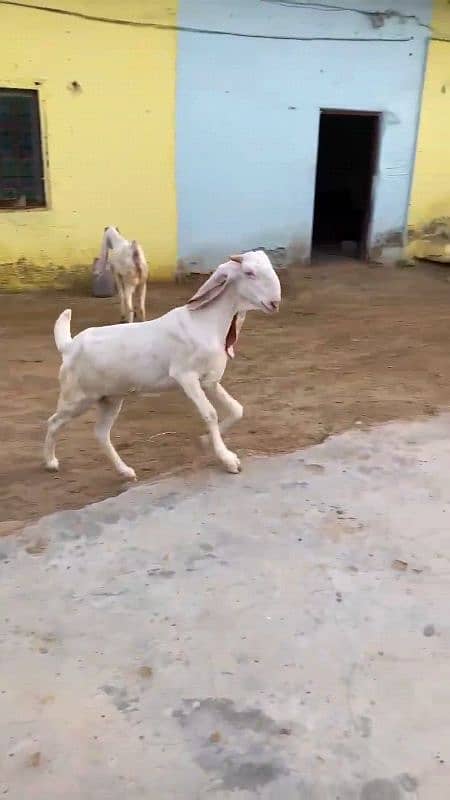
(272, 307)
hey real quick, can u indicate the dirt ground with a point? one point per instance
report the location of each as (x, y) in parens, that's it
(352, 344)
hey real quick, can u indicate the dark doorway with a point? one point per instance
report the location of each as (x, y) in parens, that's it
(346, 163)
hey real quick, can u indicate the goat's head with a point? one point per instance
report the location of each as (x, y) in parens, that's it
(255, 282)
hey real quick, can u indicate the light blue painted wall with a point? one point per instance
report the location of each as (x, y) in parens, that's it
(248, 115)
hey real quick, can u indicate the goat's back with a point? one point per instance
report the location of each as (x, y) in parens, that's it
(118, 359)
(128, 261)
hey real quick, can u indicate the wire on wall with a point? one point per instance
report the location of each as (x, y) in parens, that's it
(185, 29)
(373, 15)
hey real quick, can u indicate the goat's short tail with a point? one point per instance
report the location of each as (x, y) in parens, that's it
(63, 337)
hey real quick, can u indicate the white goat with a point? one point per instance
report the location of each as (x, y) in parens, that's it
(130, 271)
(187, 347)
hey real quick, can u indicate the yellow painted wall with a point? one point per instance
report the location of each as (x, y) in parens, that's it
(430, 196)
(110, 147)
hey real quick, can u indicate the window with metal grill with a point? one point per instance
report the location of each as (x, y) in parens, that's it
(21, 163)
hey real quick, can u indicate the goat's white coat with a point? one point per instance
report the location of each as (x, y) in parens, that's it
(185, 348)
(130, 271)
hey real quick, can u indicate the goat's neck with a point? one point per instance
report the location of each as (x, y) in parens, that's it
(114, 238)
(111, 239)
(219, 314)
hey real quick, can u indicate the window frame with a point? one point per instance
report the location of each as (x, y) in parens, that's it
(35, 86)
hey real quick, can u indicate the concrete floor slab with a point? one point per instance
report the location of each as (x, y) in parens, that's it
(281, 634)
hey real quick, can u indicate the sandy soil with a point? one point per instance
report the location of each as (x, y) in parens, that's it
(352, 344)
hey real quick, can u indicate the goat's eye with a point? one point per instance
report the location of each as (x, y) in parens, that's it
(250, 273)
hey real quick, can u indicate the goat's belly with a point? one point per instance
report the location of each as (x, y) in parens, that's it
(126, 380)
(162, 384)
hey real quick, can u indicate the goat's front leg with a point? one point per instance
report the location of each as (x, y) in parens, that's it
(190, 384)
(232, 407)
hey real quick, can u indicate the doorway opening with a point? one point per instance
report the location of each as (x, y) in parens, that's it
(346, 163)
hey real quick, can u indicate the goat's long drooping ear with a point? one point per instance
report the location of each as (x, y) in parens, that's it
(214, 286)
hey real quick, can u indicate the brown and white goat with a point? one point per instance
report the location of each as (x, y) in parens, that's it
(130, 272)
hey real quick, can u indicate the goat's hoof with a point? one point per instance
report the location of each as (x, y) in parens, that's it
(232, 463)
(128, 473)
(52, 465)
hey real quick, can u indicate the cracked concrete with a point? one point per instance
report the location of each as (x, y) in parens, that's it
(281, 634)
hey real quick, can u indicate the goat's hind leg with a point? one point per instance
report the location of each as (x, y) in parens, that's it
(139, 299)
(120, 286)
(128, 302)
(66, 410)
(108, 409)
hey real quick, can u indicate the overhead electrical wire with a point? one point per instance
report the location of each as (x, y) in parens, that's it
(187, 29)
